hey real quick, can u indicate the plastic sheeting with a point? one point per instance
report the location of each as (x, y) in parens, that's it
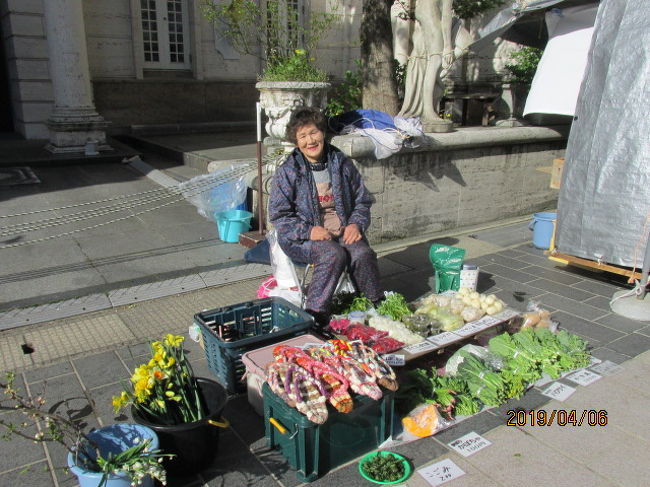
(556, 84)
(604, 198)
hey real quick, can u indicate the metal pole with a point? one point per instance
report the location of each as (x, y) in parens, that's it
(260, 196)
(646, 270)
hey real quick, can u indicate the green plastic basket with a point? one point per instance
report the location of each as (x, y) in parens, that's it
(370, 456)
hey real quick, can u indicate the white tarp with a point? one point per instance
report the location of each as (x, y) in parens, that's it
(555, 88)
(604, 201)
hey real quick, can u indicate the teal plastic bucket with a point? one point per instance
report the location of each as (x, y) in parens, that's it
(233, 222)
(542, 226)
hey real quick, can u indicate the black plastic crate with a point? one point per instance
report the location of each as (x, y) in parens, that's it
(231, 331)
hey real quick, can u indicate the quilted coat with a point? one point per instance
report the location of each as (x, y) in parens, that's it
(293, 204)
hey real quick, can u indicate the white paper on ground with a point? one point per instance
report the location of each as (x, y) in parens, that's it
(441, 472)
(558, 391)
(584, 377)
(606, 367)
(469, 444)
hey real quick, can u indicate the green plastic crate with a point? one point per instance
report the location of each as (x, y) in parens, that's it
(256, 324)
(314, 449)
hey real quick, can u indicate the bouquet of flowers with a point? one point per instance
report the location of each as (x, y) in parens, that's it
(164, 390)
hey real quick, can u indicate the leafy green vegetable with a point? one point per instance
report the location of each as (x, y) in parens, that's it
(344, 303)
(395, 306)
(384, 468)
(484, 384)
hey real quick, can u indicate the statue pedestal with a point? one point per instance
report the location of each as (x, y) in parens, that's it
(437, 126)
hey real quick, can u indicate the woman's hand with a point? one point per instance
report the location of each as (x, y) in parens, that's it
(320, 233)
(351, 234)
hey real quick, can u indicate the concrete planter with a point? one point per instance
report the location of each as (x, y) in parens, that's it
(280, 98)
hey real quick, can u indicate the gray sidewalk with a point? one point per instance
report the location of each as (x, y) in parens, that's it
(84, 358)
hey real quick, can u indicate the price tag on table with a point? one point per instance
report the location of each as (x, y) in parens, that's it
(444, 338)
(558, 391)
(505, 314)
(485, 322)
(468, 330)
(606, 367)
(441, 472)
(395, 360)
(469, 444)
(584, 377)
(424, 346)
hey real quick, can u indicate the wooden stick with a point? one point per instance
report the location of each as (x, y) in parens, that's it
(571, 259)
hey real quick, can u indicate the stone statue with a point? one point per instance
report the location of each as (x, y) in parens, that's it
(432, 52)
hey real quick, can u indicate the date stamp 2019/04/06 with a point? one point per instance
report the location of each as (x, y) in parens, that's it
(561, 417)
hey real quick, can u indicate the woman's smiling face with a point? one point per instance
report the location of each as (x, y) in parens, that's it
(311, 142)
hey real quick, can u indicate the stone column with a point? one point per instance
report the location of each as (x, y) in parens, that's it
(74, 121)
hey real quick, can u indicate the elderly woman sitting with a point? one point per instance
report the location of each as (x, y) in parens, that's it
(321, 209)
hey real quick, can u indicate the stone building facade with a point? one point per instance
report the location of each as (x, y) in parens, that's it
(119, 63)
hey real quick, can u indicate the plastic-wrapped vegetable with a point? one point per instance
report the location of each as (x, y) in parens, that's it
(386, 345)
(470, 313)
(366, 334)
(449, 322)
(395, 329)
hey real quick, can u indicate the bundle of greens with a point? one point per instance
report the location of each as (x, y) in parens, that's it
(344, 303)
(450, 395)
(483, 383)
(531, 352)
(395, 306)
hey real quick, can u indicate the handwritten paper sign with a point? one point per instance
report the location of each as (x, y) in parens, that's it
(485, 322)
(444, 338)
(468, 330)
(441, 472)
(469, 444)
(424, 346)
(506, 314)
(606, 367)
(395, 360)
(584, 377)
(558, 391)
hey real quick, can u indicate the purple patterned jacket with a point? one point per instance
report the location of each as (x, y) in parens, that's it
(293, 204)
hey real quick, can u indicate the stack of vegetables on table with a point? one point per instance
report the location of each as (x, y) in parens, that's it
(477, 377)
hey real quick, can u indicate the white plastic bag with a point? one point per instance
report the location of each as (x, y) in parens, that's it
(283, 269)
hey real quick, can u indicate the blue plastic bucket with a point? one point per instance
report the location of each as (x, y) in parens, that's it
(114, 439)
(233, 222)
(542, 226)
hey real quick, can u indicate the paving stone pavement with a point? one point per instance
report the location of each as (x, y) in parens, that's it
(83, 360)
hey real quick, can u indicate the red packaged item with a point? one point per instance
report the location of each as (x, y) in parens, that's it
(386, 345)
(366, 334)
(340, 326)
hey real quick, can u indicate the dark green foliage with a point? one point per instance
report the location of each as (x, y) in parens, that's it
(384, 468)
(346, 96)
(523, 64)
(466, 9)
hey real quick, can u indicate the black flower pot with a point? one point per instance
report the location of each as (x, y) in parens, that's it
(194, 444)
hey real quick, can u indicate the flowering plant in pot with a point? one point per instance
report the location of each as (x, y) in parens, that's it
(273, 31)
(184, 410)
(113, 456)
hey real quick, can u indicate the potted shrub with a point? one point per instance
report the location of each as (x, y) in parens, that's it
(521, 69)
(182, 409)
(119, 455)
(289, 77)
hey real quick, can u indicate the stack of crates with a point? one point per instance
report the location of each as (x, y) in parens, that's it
(314, 449)
(231, 331)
